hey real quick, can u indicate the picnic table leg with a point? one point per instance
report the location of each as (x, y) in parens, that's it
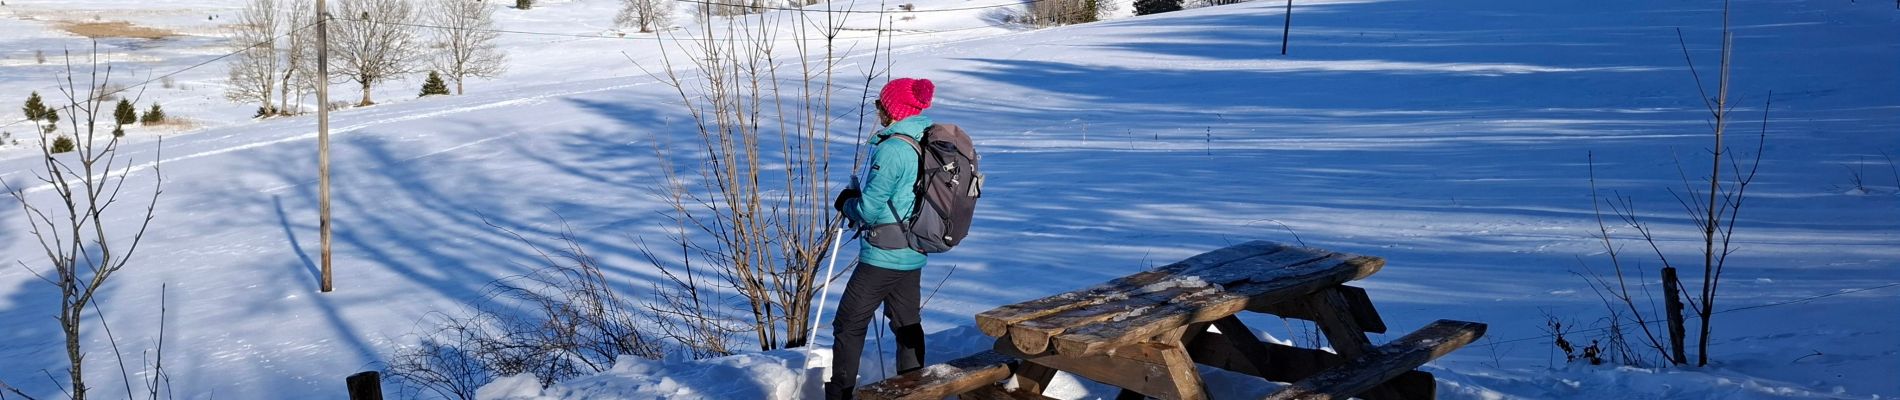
(1244, 341)
(1335, 319)
(1186, 378)
(1034, 378)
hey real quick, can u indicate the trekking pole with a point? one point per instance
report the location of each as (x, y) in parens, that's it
(836, 235)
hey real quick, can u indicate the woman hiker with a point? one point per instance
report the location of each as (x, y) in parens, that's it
(884, 276)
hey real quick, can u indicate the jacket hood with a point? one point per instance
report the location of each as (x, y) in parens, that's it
(913, 127)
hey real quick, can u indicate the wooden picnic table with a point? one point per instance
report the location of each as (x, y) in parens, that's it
(1146, 332)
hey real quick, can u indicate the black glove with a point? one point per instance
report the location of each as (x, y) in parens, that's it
(844, 195)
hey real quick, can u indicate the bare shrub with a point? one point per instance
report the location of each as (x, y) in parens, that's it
(1712, 212)
(562, 321)
(757, 213)
(1856, 176)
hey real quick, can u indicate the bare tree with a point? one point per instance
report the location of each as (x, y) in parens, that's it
(372, 42)
(83, 248)
(300, 53)
(253, 74)
(647, 15)
(465, 40)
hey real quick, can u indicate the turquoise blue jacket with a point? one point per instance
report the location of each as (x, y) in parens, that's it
(887, 193)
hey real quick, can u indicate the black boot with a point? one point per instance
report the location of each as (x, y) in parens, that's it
(838, 391)
(910, 347)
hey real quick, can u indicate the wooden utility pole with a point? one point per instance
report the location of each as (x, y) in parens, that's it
(1285, 32)
(323, 138)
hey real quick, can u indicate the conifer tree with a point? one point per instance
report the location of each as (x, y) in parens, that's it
(36, 111)
(1146, 7)
(123, 115)
(52, 120)
(433, 86)
(62, 144)
(153, 116)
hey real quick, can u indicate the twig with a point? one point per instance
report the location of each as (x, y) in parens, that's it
(1891, 167)
(16, 391)
(158, 365)
(124, 376)
(933, 291)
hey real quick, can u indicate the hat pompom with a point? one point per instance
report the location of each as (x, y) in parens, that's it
(923, 89)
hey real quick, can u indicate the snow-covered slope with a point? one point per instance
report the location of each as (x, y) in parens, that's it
(1449, 137)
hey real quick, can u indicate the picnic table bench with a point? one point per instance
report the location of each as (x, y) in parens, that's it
(1146, 332)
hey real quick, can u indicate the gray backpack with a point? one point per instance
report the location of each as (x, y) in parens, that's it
(948, 184)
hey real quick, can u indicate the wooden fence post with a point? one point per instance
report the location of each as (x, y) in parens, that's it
(366, 385)
(1672, 309)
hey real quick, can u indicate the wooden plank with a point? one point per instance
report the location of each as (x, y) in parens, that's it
(1384, 363)
(1154, 369)
(943, 380)
(1265, 286)
(366, 385)
(1032, 336)
(1291, 364)
(1362, 310)
(996, 322)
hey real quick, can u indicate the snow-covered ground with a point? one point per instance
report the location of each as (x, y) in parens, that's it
(1449, 137)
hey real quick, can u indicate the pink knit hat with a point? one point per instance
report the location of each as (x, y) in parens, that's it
(906, 97)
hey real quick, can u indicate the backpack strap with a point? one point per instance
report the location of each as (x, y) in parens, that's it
(913, 144)
(918, 199)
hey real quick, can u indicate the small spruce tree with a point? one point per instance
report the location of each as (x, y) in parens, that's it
(35, 110)
(524, 4)
(62, 144)
(434, 86)
(153, 116)
(123, 115)
(52, 120)
(1146, 7)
